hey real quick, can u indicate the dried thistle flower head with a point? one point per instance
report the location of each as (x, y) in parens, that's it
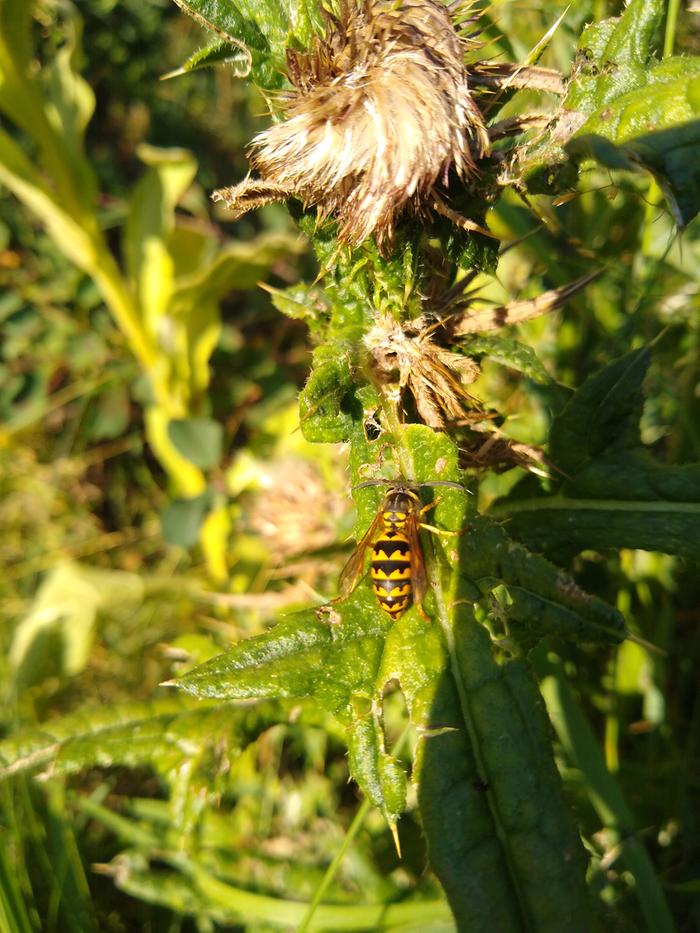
(435, 377)
(281, 513)
(380, 112)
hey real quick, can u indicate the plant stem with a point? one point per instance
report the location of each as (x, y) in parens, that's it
(671, 23)
(353, 830)
(332, 869)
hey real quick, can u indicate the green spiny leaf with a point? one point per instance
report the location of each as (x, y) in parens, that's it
(500, 837)
(658, 128)
(509, 352)
(604, 413)
(625, 109)
(331, 655)
(220, 52)
(161, 733)
(612, 493)
(260, 31)
(615, 55)
(327, 405)
(640, 112)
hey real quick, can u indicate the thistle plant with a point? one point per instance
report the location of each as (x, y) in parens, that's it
(381, 143)
(395, 144)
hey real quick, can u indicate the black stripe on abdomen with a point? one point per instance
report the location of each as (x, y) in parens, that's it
(382, 569)
(390, 548)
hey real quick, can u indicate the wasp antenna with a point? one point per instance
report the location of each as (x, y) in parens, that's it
(444, 482)
(407, 484)
(377, 482)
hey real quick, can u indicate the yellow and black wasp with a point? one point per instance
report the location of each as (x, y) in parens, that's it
(397, 567)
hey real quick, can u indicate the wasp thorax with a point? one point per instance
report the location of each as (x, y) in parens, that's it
(397, 503)
(380, 112)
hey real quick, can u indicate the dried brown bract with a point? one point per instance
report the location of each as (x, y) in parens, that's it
(380, 112)
(487, 447)
(435, 377)
(459, 318)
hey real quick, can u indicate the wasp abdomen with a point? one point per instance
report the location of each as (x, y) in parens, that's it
(390, 569)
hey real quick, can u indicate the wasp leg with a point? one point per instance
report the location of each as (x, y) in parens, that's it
(429, 506)
(436, 531)
(442, 531)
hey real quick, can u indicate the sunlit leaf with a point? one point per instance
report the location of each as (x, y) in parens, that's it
(221, 52)
(260, 31)
(626, 109)
(162, 733)
(150, 222)
(214, 535)
(55, 637)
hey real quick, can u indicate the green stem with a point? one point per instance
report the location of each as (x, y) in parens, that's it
(395, 427)
(672, 11)
(332, 869)
(353, 830)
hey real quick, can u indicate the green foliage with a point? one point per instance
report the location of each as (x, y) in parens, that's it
(56, 635)
(608, 490)
(627, 109)
(174, 673)
(576, 736)
(254, 34)
(326, 401)
(221, 52)
(346, 659)
(166, 734)
(166, 306)
(198, 439)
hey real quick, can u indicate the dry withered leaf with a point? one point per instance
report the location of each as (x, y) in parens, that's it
(502, 75)
(417, 355)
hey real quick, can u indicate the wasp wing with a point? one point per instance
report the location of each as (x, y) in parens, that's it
(355, 566)
(418, 578)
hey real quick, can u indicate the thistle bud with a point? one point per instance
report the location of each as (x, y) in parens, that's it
(379, 113)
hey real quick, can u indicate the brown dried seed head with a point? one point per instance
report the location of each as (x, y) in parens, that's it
(380, 112)
(295, 512)
(434, 376)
